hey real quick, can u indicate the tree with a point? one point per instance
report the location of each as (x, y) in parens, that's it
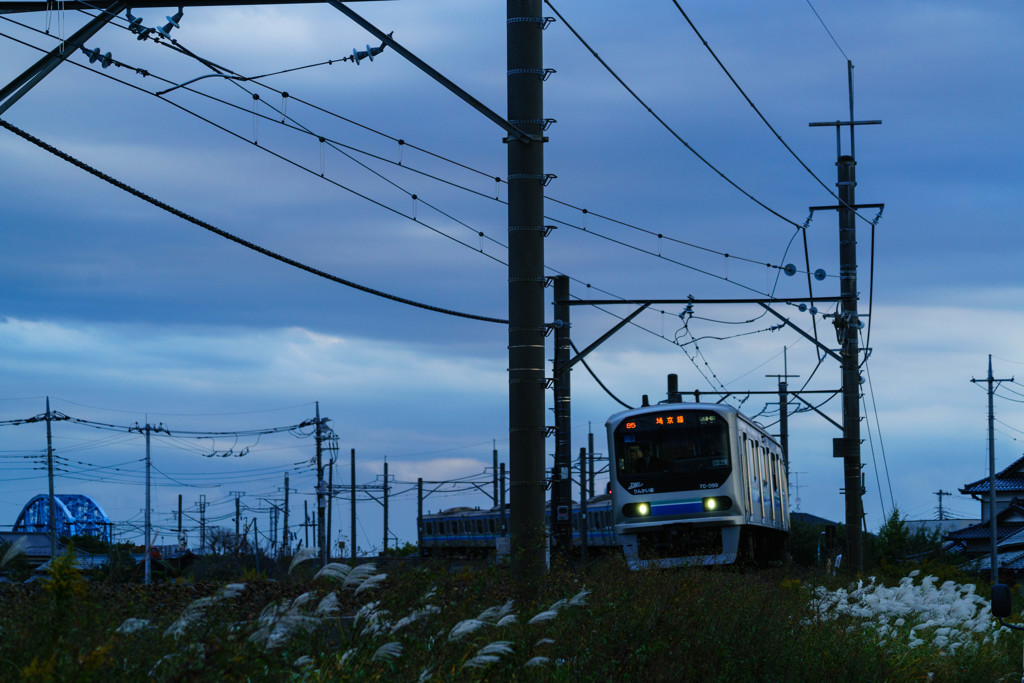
(893, 540)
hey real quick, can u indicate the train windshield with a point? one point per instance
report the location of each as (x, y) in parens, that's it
(680, 449)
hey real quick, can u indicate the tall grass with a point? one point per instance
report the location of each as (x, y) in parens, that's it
(603, 623)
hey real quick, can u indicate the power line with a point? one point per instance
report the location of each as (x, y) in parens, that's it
(665, 125)
(826, 30)
(238, 240)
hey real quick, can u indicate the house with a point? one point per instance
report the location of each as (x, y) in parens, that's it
(975, 541)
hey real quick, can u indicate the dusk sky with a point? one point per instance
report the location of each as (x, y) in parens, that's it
(121, 312)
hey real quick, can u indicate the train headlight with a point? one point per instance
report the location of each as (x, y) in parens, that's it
(717, 503)
(636, 509)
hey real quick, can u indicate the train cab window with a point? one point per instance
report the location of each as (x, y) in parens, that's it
(686, 445)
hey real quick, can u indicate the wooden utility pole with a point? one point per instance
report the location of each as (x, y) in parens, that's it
(993, 540)
(321, 489)
(285, 540)
(49, 475)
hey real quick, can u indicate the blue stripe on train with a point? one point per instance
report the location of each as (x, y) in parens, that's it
(677, 508)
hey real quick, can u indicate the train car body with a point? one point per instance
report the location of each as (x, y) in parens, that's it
(472, 532)
(696, 483)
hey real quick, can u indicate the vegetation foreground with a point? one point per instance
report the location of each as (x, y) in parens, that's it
(599, 623)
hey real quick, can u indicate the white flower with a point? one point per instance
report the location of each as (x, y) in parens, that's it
(371, 583)
(493, 614)
(387, 651)
(498, 647)
(480, 661)
(231, 590)
(536, 661)
(304, 660)
(359, 574)
(132, 625)
(544, 641)
(307, 553)
(544, 616)
(465, 626)
(327, 606)
(579, 599)
(507, 620)
(334, 571)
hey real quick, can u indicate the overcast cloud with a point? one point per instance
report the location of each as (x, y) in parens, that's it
(122, 313)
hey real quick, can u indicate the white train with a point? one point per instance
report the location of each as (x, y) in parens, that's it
(696, 483)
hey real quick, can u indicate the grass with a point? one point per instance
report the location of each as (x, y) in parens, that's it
(600, 623)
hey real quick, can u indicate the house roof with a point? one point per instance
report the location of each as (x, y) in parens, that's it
(1009, 522)
(36, 544)
(1011, 478)
(1011, 560)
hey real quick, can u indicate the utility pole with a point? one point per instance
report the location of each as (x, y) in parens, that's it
(797, 488)
(847, 323)
(285, 540)
(147, 430)
(181, 538)
(494, 458)
(148, 503)
(330, 506)
(386, 487)
(202, 523)
(993, 549)
(590, 461)
(526, 281)
(321, 486)
(353, 474)
(784, 410)
(238, 510)
(49, 476)
(940, 493)
(584, 525)
(561, 481)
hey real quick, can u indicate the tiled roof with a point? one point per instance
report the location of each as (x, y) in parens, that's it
(1011, 478)
(983, 530)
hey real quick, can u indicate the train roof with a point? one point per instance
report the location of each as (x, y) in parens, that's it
(715, 407)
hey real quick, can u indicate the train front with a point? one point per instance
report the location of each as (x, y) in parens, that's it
(675, 482)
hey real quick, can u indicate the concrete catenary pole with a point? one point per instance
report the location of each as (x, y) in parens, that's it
(847, 326)
(561, 481)
(526, 371)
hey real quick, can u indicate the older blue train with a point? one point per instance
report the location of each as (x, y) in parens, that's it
(472, 532)
(690, 483)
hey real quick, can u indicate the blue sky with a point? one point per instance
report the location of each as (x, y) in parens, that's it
(120, 311)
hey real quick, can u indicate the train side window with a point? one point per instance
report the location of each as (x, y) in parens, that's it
(479, 526)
